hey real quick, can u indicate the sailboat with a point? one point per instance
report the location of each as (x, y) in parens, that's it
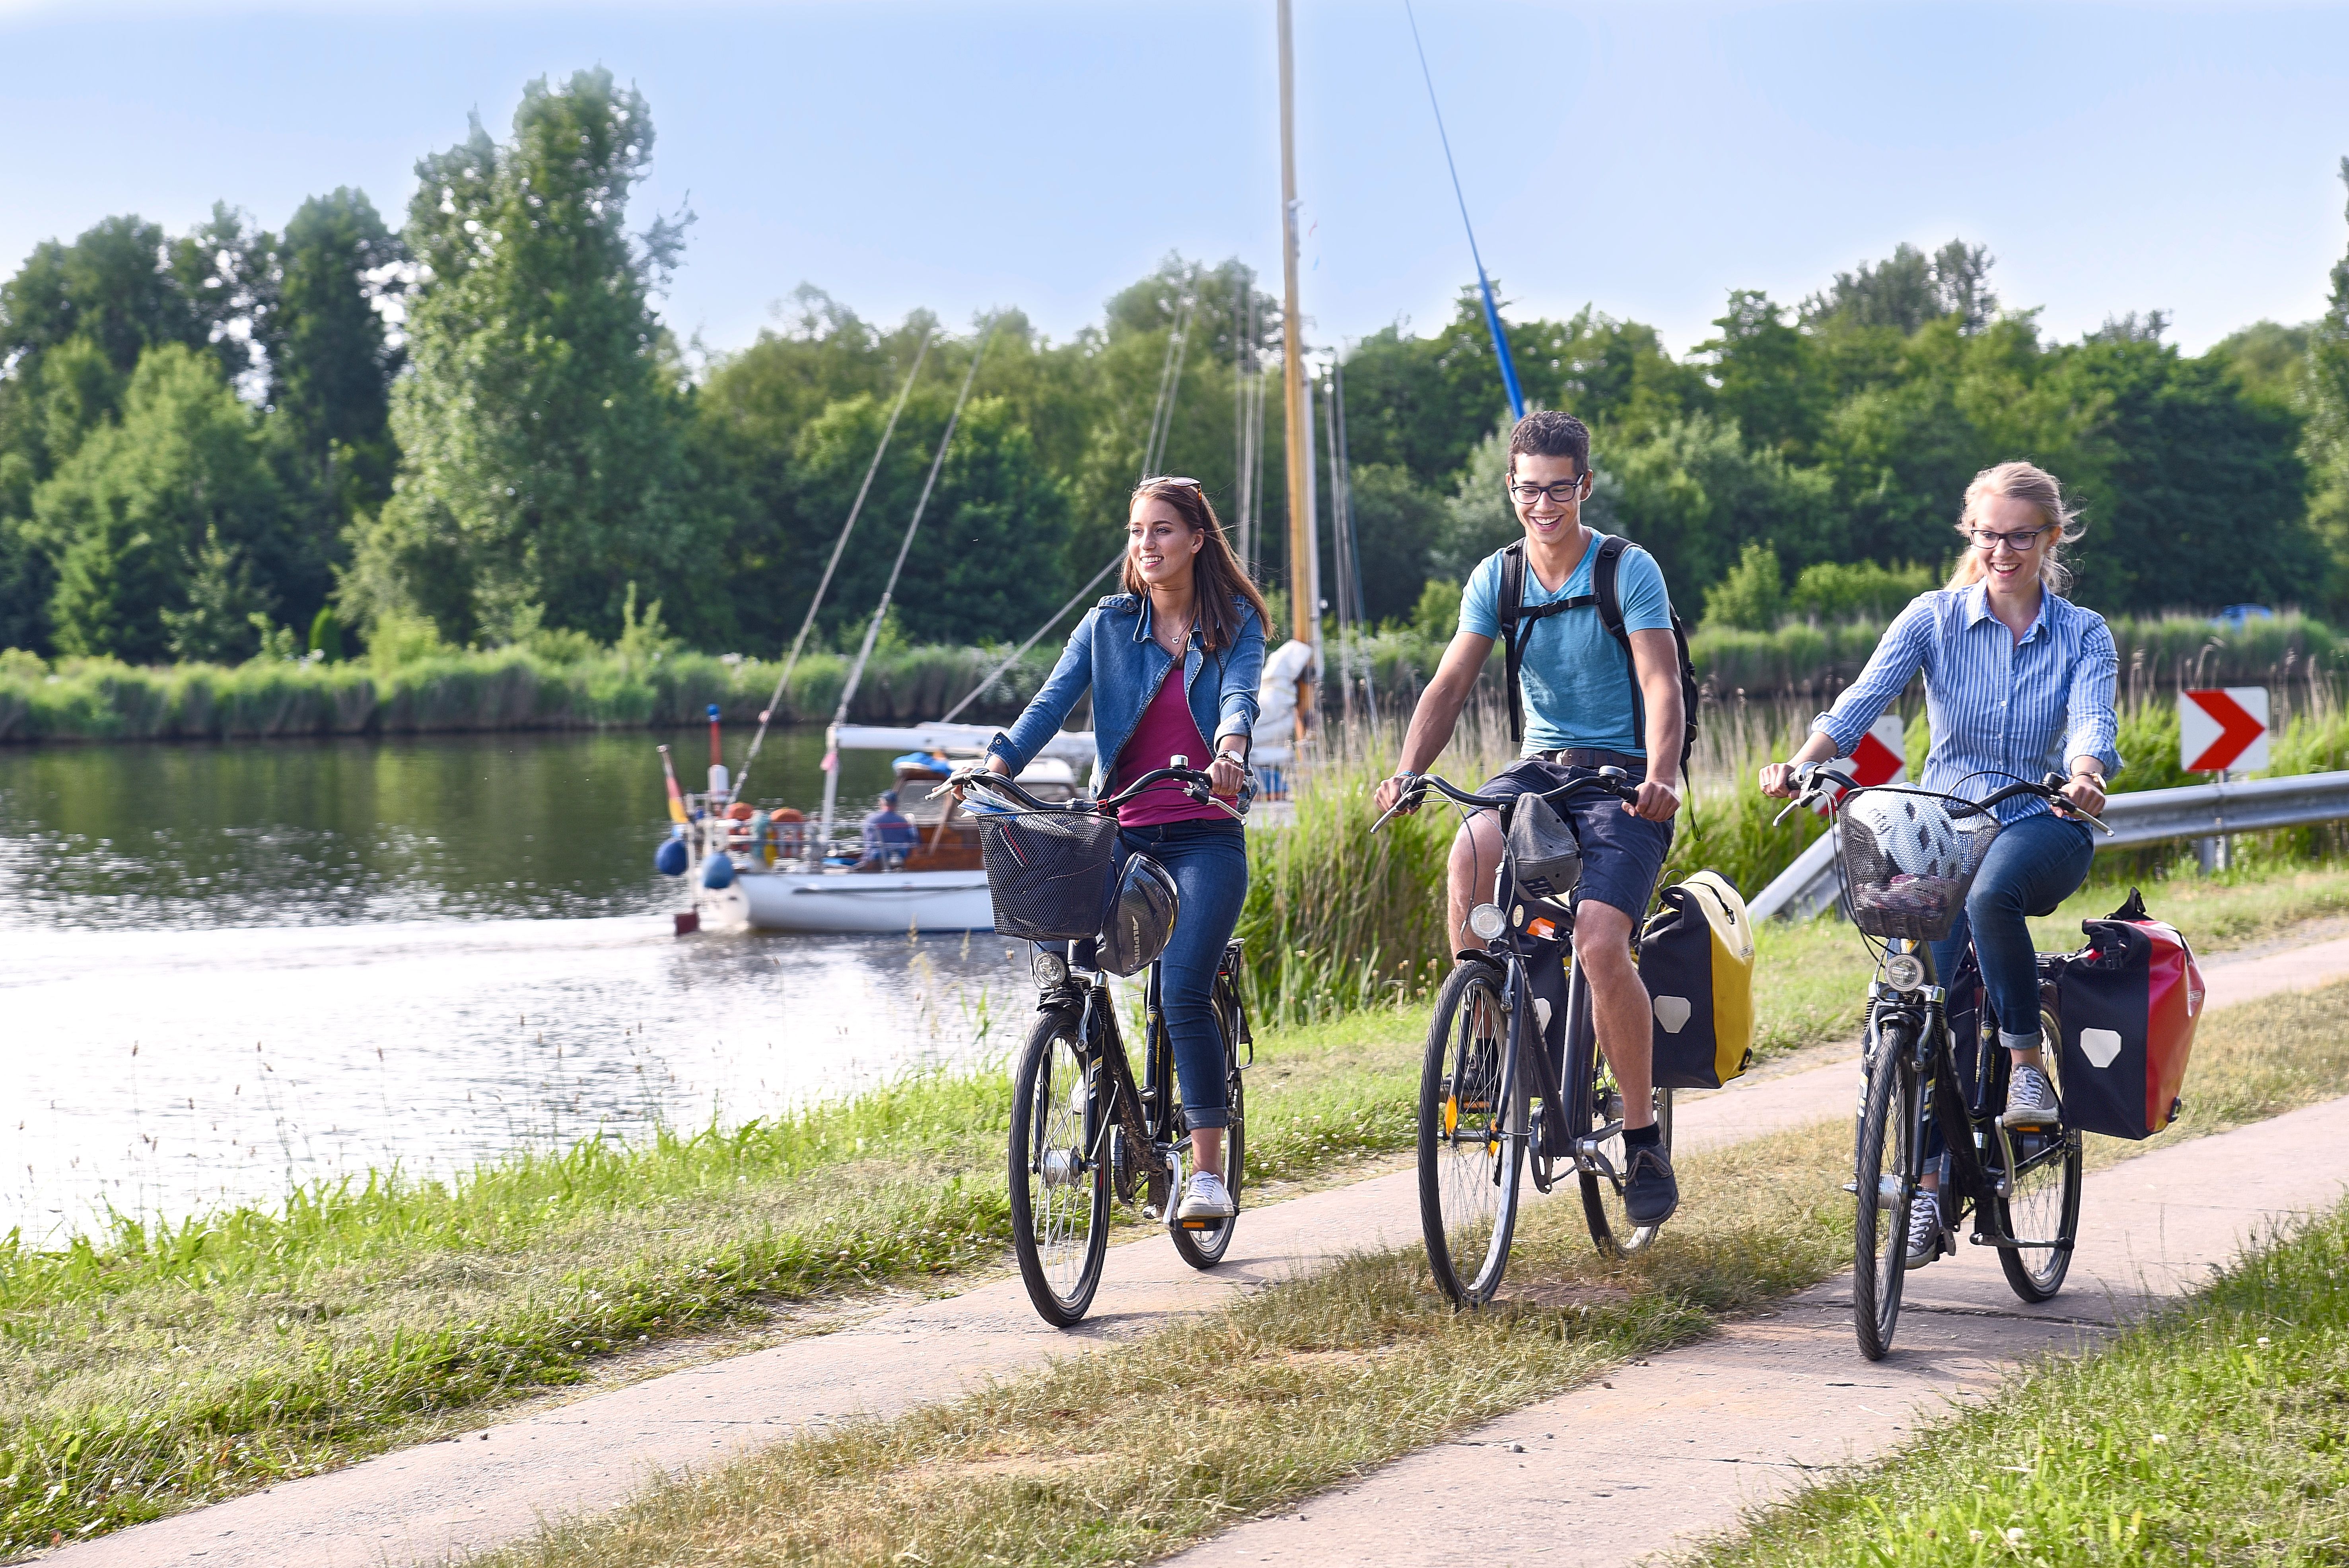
(774, 869)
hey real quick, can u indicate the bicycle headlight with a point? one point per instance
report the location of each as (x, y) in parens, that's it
(1052, 970)
(1904, 971)
(1487, 922)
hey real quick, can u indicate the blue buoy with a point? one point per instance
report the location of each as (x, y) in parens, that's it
(717, 871)
(670, 859)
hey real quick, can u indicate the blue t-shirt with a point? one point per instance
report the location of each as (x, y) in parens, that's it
(1575, 678)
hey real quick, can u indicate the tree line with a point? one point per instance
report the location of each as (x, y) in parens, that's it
(472, 429)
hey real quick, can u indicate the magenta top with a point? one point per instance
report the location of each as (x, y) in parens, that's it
(1167, 730)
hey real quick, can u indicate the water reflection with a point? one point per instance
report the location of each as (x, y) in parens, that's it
(230, 970)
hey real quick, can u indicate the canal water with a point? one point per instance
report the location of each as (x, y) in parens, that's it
(230, 971)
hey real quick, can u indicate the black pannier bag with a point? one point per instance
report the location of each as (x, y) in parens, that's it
(1696, 959)
(2128, 1004)
(1050, 875)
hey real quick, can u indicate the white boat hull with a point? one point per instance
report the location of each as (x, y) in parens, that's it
(889, 902)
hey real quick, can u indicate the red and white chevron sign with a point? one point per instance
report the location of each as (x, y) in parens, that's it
(1881, 754)
(2223, 730)
(1879, 757)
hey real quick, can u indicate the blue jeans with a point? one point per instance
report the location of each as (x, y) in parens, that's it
(2035, 864)
(1208, 860)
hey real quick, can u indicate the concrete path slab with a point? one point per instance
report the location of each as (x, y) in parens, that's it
(1664, 1452)
(420, 1504)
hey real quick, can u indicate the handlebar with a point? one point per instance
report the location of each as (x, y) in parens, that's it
(1607, 781)
(1195, 784)
(1817, 778)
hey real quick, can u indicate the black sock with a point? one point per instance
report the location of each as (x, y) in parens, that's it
(1648, 1136)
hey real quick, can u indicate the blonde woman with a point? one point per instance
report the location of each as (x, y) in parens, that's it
(2018, 684)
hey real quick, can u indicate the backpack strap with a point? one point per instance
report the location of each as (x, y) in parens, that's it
(1517, 619)
(1603, 573)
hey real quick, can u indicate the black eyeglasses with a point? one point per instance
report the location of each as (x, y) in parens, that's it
(1563, 492)
(2019, 540)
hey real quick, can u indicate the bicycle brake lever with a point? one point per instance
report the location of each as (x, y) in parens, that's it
(1785, 811)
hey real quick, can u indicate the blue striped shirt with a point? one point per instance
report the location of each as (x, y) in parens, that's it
(1997, 706)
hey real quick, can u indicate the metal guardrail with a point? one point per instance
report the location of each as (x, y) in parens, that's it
(2144, 816)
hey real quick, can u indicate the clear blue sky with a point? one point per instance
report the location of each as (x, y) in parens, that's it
(1643, 158)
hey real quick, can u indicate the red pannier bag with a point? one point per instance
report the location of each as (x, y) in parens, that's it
(2128, 1002)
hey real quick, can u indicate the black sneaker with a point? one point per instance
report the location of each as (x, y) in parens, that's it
(1650, 1193)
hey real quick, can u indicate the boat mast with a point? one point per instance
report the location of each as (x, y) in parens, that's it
(1304, 616)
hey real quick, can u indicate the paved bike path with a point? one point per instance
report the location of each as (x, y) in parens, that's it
(492, 1486)
(1663, 1452)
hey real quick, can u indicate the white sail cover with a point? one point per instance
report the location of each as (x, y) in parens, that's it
(1074, 747)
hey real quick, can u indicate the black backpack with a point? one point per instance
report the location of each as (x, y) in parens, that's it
(1517, 625)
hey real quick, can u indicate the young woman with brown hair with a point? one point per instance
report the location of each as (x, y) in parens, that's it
(1172, 663)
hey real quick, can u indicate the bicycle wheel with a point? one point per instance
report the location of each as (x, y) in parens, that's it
(1060, 1196)
(1884, 1180)
(1205, 1248)
(2044, 1204)
(1471, 1161)
(1594, 1108)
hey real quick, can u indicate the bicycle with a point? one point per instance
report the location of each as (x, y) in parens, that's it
(1082, 1127)
(1481, 1130)
(2022, 1186)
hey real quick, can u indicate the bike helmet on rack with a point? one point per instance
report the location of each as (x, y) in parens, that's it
(1545, 855)
(1141, 918)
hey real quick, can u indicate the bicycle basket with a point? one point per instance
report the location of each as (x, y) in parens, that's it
(1049, 874)
(1908, 860)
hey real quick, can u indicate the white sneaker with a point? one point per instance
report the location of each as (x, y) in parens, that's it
(1205, 1199)
(1924, 1229)
(2030, 1100)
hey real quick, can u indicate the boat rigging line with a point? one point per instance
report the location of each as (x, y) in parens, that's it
(1162, 423)
(881, 610)
(1492, 311)
(790, 662)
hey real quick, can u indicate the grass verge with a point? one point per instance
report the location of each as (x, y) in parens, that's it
(156, 1368)
(1130, 1454)
(2216, 1432)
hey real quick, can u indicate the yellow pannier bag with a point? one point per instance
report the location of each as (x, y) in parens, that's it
(1696, 959)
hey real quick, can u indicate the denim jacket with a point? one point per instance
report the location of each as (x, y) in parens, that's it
(1111, 652)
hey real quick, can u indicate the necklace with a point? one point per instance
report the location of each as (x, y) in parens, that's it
(1180, 634)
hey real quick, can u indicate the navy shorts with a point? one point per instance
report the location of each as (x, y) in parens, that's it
(1623, 855)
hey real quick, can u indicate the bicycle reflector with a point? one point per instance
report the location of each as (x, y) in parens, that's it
(1487, 921)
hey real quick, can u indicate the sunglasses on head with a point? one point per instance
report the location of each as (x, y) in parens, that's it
(1156, 480)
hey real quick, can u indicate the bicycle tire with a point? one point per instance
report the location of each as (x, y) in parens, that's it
(1591, 1102)
(2046, 1196)
(1203, 1248)
(1469, 1185)
(1885, 1166)
(1052, 1111)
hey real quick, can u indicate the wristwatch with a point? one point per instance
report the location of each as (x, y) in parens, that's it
(1235, 758)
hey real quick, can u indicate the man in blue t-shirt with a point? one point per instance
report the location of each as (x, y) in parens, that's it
(1579, 690)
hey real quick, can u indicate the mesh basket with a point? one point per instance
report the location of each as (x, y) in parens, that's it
(1909, 857)
(1050, 874)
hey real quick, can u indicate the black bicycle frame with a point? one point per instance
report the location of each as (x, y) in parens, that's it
(1967, 1122)
(1145, 1112)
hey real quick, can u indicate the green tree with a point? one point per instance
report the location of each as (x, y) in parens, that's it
(2327, 439)
(330, 364)
(541, 433)
(1753, 596)
(178, 492)
(1395, 523)
(1763, 375)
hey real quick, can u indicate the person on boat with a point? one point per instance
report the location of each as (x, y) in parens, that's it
(1586, 699)
(888, 837)
(2018, 684)
(1172, 661)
